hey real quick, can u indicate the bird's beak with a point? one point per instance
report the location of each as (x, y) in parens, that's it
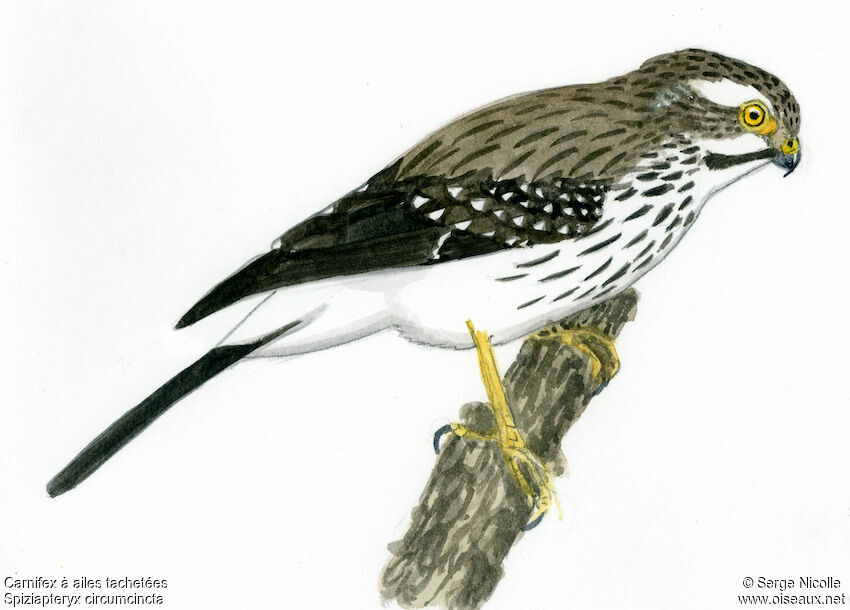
(789, 155)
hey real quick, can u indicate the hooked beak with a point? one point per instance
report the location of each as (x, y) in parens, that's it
(789, 156)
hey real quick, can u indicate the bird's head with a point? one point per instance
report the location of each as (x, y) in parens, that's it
(742, 115)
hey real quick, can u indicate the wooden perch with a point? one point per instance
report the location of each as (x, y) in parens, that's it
(471, 510)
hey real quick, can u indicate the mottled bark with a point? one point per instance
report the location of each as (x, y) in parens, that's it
(471, 510)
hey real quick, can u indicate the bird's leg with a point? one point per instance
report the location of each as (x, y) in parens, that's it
(531, 474)
(593, 342)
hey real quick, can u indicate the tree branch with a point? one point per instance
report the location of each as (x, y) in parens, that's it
(471, 510)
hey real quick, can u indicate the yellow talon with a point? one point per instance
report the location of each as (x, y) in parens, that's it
(529, 472)
(598, 346)
(462, 431)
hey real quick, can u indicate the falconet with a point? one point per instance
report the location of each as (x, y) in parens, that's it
(515, 216)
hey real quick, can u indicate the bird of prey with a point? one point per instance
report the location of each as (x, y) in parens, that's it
(514, 216)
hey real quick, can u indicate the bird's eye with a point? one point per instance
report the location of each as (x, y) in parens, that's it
(752, 114)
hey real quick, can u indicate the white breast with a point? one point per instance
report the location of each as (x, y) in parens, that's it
(509, 293)
(512, 293)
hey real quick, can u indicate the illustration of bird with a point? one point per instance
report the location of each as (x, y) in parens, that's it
(515, 216)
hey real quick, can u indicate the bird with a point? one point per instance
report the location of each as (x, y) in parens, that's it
(514, 216)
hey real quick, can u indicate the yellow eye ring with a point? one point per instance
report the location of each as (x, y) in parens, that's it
(752, 115)
(755, 117)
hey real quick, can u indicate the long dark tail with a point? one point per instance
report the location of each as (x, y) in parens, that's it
(129, 425)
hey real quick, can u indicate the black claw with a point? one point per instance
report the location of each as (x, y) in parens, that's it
(605, 384)
(601, 387)
(438, 436)
(530, 526)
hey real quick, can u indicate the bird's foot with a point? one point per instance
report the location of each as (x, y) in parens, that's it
(591, 341)
(528, 470)
(534, 478)
(461, 431)
(531, 473)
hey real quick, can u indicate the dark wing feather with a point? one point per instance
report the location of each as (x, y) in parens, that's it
(416, 221)
(278, 268)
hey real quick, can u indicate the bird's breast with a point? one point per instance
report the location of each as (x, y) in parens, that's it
(511, 293)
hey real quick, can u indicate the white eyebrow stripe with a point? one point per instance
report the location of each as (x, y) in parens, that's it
(728, 93)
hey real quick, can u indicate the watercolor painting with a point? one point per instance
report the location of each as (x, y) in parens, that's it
(456, 305)
(529, 218)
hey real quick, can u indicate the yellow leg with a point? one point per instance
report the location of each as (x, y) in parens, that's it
(596, 344)
(521, 462)
(463, 432)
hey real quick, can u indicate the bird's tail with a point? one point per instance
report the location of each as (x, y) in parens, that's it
(131, 424)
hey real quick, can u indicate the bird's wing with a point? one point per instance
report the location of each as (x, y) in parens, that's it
(392, 223)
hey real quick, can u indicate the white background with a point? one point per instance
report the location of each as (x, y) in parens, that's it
(149, 149)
